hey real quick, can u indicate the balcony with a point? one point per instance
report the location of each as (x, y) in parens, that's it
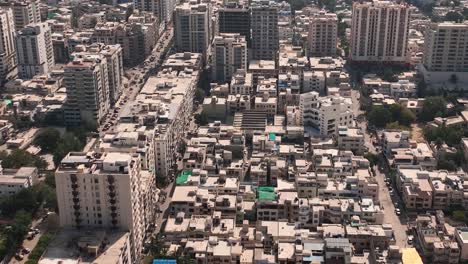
(73, 178)
(110, 179)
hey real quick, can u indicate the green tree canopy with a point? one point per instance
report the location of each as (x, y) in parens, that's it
(20, 158)
(379, 116)
(454, 17)
(389, 76)
(449, 135)
(201, 119)
(69, 142)
(48, 139)
(433, 107)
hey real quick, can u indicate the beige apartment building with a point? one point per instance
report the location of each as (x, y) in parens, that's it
(34, 50)
(170, 96)
(229, 53)
(7, 45)
(25, 12)
(242, 83)
(102, 190)
(192, 28)
(351, 139)
(114, 60)
(379, 32)
(87, 83)
(264, 29)
(445, 54)
(323, 34)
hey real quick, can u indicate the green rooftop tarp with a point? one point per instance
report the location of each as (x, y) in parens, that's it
(270, 196)
(266, 193)
(7, 101)
(266, 189)
(183, 176)
(272, 136)
(51, 15)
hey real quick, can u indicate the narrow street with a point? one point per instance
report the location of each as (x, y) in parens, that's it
(164, 207)
(387, 202)
(30, 244)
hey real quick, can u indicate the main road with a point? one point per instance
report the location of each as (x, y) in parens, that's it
(136, 78)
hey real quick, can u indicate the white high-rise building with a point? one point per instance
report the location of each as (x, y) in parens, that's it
(34, 50)
(229, 53)
(7, 45)
(264, 29)
(25, 12)
(162, 9)
(326, 113)
(192, 30)
(86, 80)
(446, 55)
(113, 55)
(323, 34)
(104, 191)
(379, 31)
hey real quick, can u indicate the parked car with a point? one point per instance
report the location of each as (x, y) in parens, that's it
(31, 235)
(25, 251)
(410, 239)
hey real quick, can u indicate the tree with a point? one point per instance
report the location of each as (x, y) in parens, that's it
(25, 200)
(421, 87)
(20, 158)
(443, 164)
(459, 215)
(407, 117)
(69, 142)
(396, 125)
(201, 119)
(50, 179)
(451, 135)
(296, 4)
(157, 248)
(182, 147)
(47, 140)
(433, 107)
(372, 158)
(199, 95)
(454, 17)
(379, 116)
(19, 228)
(389, 75)
(186, 260)
(46, 195)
